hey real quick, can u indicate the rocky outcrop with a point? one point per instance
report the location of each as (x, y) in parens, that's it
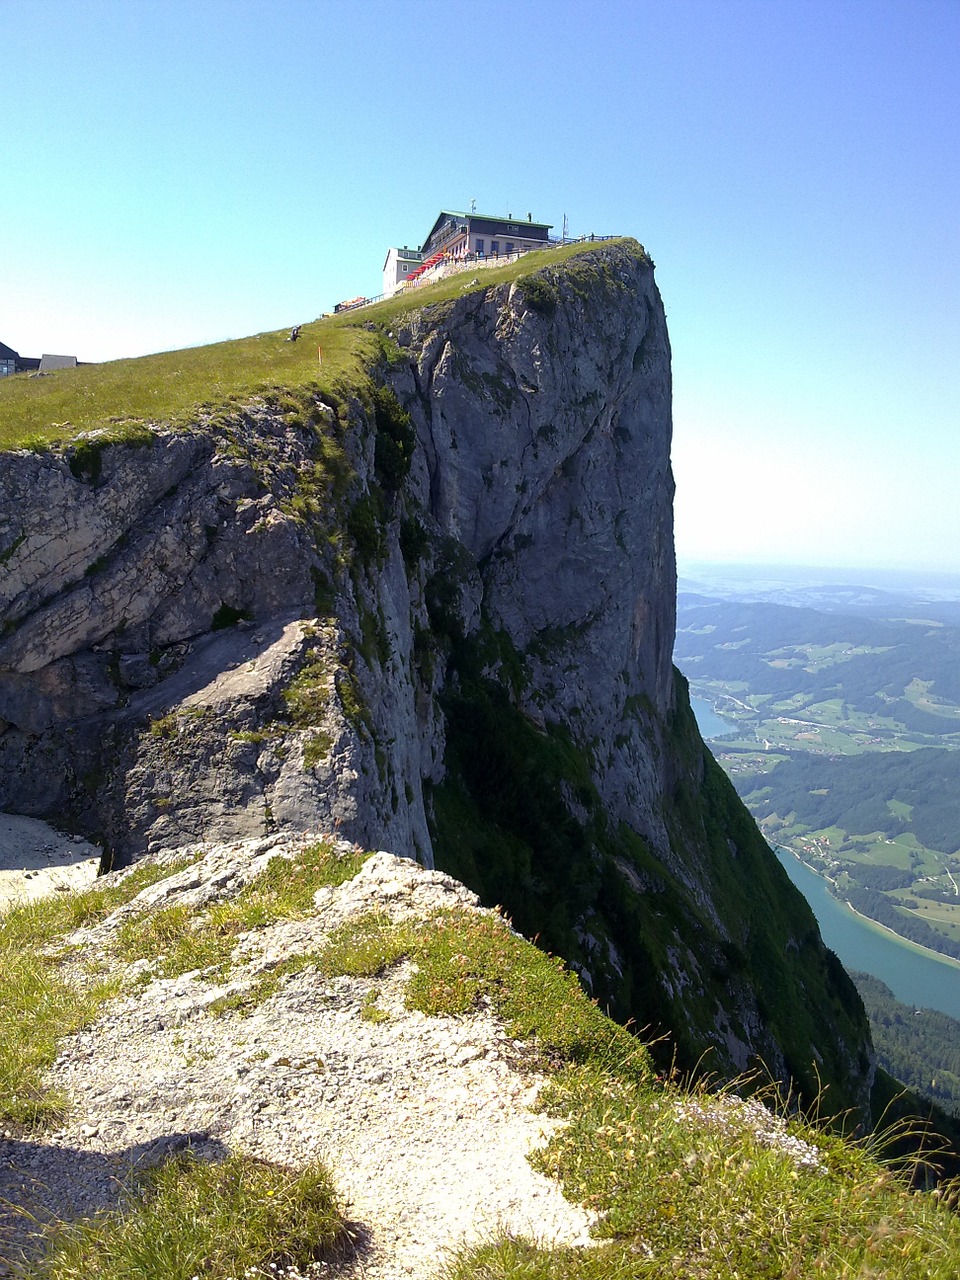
(426, 1121)
(433, 610)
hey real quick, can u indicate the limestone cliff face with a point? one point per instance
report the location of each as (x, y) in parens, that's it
(436, 614)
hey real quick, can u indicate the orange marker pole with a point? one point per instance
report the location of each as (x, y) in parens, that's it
(320, 354)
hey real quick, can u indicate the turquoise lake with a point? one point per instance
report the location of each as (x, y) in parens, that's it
(914, 976)
(711, 725)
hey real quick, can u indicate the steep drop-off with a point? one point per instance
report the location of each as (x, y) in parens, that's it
(434, 610)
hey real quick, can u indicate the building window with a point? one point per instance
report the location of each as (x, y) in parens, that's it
(494, 246)
(479, 246)
(406, 267)
(509, 248)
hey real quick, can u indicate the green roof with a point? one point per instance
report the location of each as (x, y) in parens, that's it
(484, 217)
(488, 217)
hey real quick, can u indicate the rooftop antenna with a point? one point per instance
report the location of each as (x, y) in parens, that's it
(563, 234)
(473, 205)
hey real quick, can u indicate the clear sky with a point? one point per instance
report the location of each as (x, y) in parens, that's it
(180, 171)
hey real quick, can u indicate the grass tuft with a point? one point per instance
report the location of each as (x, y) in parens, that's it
(178, 940)
(692, 1185)
(239, 1217)
(39, 1006)
(464, 961)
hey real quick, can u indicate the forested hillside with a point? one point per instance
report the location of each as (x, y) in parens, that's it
(871, 682)
(921, 1047)
(890, 793)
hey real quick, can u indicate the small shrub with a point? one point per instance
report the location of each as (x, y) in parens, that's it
(85, 457)
(316, 748)
(324, 593)
(365, 526)
(395, 440)
(228, 616)
(351, 700)
(375, 641)
(308, 694)
(540, 295)
(164, 727)
(414, 541)
(10, 551)
(255, 736)
(370, 1011)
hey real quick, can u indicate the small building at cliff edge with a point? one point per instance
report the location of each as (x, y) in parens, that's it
(398, 265)
(12, 362)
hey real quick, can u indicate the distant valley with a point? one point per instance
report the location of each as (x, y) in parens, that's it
(844, 724)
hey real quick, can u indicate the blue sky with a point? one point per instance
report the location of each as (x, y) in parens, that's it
(176, 173)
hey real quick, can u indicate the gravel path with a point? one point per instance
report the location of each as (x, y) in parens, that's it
(426, 1122)
(36, 859)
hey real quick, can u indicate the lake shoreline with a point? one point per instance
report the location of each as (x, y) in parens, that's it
(869, 920)
(918, 976)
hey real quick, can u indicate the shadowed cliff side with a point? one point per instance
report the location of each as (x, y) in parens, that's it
(433, 608)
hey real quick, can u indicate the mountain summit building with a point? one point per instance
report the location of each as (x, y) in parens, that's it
(461, 233)
(465, 236)
(398, 266)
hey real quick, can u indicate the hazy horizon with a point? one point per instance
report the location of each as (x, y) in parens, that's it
(803, 569)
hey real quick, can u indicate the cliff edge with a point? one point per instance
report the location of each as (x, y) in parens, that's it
(428, 602)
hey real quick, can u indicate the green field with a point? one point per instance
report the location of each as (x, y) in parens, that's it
(828, 724)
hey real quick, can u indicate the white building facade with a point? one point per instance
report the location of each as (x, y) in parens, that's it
(398, 265)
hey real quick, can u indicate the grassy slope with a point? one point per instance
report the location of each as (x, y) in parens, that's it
(174, 387)
(686, 1183)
